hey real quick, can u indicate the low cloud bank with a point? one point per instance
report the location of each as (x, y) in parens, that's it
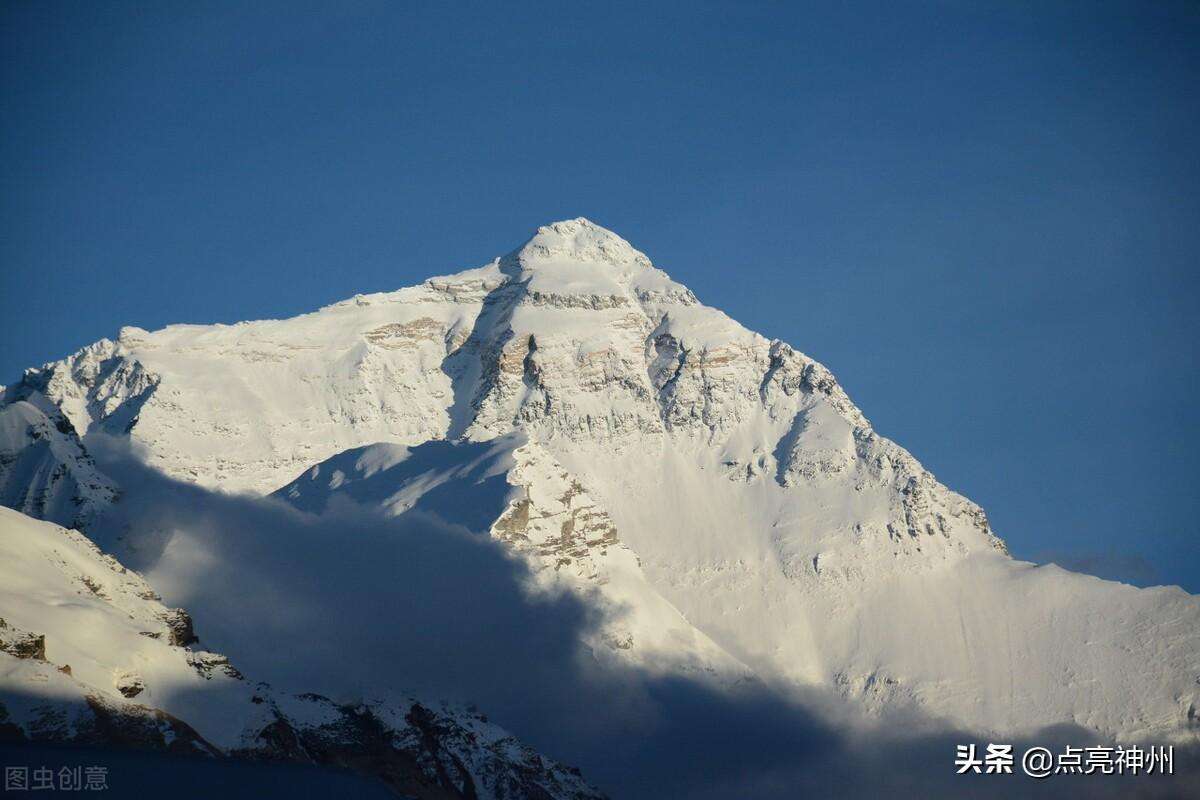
(353, 604)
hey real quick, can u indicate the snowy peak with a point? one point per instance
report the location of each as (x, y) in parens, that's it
(579, 264)
(580, 242)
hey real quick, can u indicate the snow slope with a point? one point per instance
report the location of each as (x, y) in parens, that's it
(746, 496)
(88, 654)
(515, 491)
(44, 469)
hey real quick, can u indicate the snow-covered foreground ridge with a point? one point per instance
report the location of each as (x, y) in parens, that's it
(650, 451)
(89, 655)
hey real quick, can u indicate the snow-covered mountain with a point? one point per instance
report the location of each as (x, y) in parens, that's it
(650, 455)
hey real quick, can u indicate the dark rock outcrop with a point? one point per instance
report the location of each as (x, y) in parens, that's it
(179, 625)
(21, 644)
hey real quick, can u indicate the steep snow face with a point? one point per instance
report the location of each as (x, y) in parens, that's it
(44, 469)
(513, 490)
(766, 512)
(89, 655)
(806, 582)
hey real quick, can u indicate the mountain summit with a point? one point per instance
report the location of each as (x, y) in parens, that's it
(648, 453)
(577, 242)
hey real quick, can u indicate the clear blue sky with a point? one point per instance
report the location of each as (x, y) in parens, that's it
(985, 218)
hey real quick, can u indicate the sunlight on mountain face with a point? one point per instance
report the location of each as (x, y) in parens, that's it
(559, 486)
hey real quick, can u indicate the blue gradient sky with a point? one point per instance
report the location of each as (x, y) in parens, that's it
(985, 218)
